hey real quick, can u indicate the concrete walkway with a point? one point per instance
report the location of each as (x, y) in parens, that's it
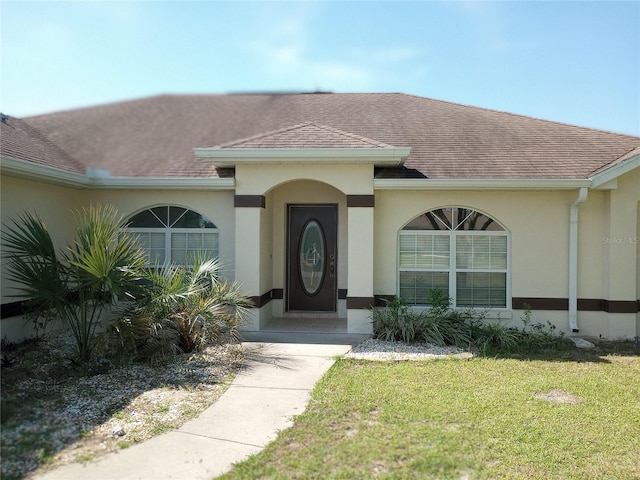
(261, 401)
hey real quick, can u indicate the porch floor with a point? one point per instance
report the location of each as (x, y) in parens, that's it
(307, 324)
(314, 330)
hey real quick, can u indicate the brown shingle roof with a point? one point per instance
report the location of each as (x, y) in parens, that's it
(156, 136)
(306, 135)
(21, 141)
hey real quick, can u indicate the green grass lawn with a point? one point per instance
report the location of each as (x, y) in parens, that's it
(464, 419)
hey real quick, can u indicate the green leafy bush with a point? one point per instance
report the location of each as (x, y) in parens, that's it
(440, 324)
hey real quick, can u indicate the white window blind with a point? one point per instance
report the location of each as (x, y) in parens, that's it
(463, 252)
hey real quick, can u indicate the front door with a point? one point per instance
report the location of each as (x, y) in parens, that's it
(312, 258)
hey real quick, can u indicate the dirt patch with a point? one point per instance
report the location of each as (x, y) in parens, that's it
(557, 395)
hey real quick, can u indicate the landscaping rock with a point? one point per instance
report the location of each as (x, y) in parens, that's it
(117, 431)
(581, 342)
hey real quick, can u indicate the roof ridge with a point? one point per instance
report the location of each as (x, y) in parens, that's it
(261, 135)
(339, 131)
(334, 130)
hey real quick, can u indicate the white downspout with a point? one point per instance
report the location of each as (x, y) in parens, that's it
(573, 259)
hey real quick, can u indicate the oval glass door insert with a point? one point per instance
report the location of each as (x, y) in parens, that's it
(312, 255)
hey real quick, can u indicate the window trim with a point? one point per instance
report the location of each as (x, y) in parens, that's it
(452, 269)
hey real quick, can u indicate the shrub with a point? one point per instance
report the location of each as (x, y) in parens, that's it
(393, 322)
(538, 336)
(442, 325)
(494, 335)
(181, 310)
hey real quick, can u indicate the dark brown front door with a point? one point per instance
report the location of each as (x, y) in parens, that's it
(312, 258)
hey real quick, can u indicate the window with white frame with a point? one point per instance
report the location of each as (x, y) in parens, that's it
(175, 235)
(461, 251)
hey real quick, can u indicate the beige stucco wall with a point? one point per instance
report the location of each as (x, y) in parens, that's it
(592, 229)
(537, 223)
(52, 203)
(619, 239)
(258, 179)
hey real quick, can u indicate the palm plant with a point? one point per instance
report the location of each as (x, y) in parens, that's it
(79, 284)
(181, 310)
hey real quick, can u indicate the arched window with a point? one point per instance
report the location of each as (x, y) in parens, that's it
(461, 251)
(173, 235)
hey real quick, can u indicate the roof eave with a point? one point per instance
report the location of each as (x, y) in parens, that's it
(165, 183)
(230, 157)
(26, 170)
(600, 179)
(479, 184)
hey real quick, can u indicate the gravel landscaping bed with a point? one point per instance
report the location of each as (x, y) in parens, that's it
(372, 349)
(56, 412)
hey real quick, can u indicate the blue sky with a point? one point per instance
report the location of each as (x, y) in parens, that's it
(573, 62)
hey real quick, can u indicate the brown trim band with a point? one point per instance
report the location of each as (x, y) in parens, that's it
(619, 306)
(13, 309)
(262, 300)
(249, 201)
(584, 304)
(539, 303)
(360, 303)
(361, 200)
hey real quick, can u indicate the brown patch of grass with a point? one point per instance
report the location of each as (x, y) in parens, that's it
(557, 395)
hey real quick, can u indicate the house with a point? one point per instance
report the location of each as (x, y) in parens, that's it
(322, 205)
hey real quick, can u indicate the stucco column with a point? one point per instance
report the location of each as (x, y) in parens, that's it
(249, 209)
(360, 263)
(621, 248)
